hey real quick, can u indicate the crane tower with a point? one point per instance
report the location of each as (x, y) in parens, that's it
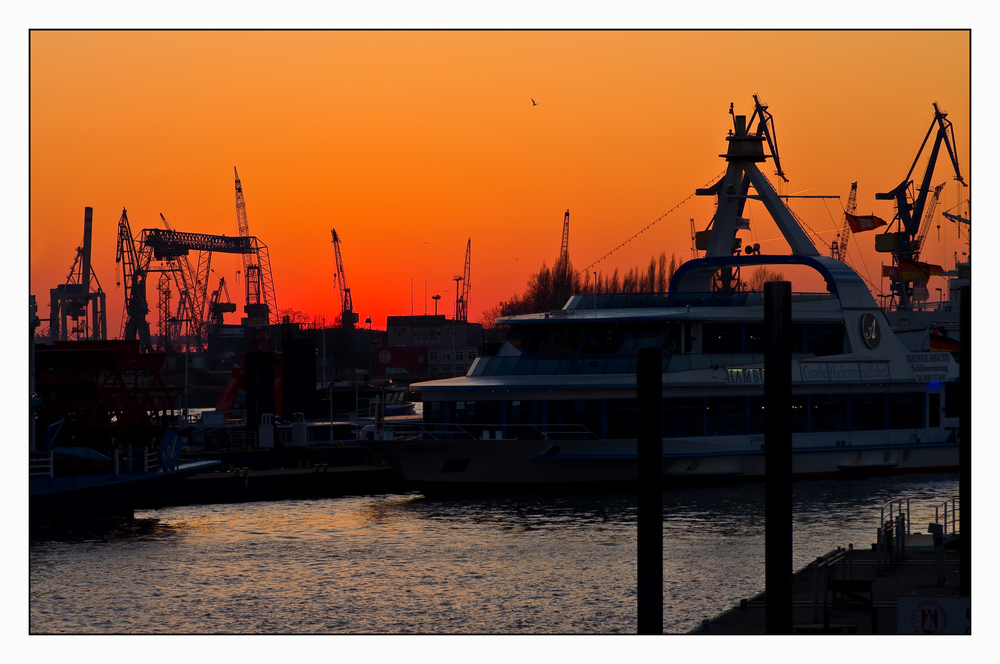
(81, 290)
(904, 243)
(260, 306)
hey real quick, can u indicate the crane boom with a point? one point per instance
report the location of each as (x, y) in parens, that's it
(564, 249)
(466, 285)
(260, 307)
(838, 249)
(925, 225)
(347, 316)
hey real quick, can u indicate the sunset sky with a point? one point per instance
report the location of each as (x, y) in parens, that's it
(411, 142)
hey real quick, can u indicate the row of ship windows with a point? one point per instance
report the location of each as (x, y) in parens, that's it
(697, 416)
(673, 337)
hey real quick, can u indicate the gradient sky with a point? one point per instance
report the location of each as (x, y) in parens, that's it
(409, 143)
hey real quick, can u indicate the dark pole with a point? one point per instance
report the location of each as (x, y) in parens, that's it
(965, 440)
(778, 456)
(649, 392)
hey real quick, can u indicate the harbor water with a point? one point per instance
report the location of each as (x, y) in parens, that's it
(406, 564)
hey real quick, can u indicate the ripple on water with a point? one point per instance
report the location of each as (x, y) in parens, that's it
(406, 564)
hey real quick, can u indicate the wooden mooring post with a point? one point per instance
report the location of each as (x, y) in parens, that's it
(778, 456)
(965, 441)
(649, 393)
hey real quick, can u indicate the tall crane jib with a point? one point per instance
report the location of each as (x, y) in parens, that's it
(838, 248)
(260, 305)
(347, 316)
(135, 265)
(465, 287)
(903, 236)
(564, 248)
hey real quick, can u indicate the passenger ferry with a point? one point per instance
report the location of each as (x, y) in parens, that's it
(557, 404)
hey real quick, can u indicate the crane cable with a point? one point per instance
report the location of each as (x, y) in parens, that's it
(651, 224)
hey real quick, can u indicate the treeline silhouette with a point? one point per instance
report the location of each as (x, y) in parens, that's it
(550, 288)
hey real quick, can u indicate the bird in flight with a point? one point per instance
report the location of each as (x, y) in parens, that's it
(534, 103)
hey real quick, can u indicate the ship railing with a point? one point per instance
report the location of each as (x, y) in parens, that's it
(135, 460)
(241, 439)
(483, 431)
(894, 526)
(41, 465)
(949, 511)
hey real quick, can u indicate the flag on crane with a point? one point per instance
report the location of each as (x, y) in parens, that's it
(860, 223)
(912, 270)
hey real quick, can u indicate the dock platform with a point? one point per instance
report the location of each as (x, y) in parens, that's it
(869, 597)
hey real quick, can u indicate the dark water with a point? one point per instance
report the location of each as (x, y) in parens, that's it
(411, 565)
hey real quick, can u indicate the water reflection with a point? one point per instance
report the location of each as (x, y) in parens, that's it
(544, 564)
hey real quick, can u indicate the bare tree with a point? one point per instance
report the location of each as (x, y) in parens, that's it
(761, 276)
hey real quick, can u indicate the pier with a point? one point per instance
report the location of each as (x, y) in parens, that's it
(852, 591)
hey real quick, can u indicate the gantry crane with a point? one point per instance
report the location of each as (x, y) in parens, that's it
(260, 305)
(347, 316)
(838, 248)
(902, 243)
(564, 249)
(192, 285)
(155, 244)
(81, 290)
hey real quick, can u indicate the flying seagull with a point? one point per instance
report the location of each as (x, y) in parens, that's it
(534, 103)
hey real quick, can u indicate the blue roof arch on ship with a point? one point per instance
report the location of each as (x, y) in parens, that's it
(695, 276)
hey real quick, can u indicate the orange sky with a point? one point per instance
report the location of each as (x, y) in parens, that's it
(409, 143)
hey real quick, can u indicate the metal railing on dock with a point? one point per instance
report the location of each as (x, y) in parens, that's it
(950, 516)
(834, 585)
(890, 543)
(41, 465)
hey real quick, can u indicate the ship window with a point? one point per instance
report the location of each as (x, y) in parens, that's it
(828, 412)
(758, 423)
(683, 417)
(672, 341)
(721, 338)
(753, 338)
(617, 365)
(622, 418)
(726, 416)
(556, 339)
(603, 339)
(516, 336)
(867, 412)
(800, 414)
(643, 335)
(524, 367)
(819, 338)
(906, 410)
(952, 391)
(934, 409)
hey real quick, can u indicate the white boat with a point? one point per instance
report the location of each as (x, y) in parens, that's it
(557, 404)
